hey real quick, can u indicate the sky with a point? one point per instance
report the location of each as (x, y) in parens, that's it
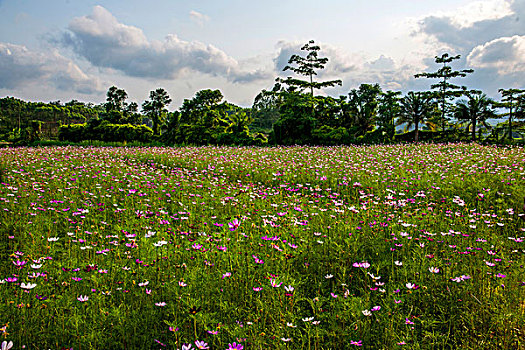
(68, 49)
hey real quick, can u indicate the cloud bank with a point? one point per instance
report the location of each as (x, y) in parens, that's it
(491, 38)
(20, 66)
(106, 43)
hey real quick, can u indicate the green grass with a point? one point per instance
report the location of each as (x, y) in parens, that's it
(407, 246)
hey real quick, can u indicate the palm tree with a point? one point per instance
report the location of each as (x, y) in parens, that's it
(476, 110)
(416, 108)
(239, 122)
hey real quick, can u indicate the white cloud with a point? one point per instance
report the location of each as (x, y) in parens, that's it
(20, 66)
(477, 11)
(107, 43)
(475, 24)
(505, 55)
(198, 17)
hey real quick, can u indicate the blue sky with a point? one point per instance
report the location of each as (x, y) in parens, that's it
(67, 49)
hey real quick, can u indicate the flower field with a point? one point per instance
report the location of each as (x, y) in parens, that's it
(383, 247)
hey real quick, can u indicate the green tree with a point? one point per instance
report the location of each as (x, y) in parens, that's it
(296, 123)
(116, 99)
(202, 118)
(265, 111)
(416, 108)
(445, 91)
(307, 66)
(389, 109)
(362, 106)
(155, 108)
(476, 110)
(193, 111)
(510, 100)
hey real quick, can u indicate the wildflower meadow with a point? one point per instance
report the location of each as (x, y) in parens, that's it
(375, 247)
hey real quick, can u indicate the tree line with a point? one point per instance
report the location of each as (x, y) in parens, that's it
(289, 113)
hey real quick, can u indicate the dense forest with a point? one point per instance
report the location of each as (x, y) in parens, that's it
(289, 113)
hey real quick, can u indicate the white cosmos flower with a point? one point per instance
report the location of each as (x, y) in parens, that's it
(28, 286)
(160, 243)
(6, 345)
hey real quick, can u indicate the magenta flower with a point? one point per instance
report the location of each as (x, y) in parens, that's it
(6, 345)
(364, 265)
(158, 342)
(201, 344)
(356, 343)
(235, 346)
(234, 224)
(19, 263)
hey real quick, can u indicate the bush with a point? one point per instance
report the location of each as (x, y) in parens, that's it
(105, 131)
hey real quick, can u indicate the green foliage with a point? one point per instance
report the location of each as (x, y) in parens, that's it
(476, 110)
(416, 108)
(16, 116)
(105, 131)
(155, 108)
(513, 100)
(296, 123)
(388, 111)
(116, 99)
(265, 111)
(330, 136)
(362, 108)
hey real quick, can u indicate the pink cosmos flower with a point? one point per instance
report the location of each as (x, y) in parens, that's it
(201, 344)
(6, 345)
